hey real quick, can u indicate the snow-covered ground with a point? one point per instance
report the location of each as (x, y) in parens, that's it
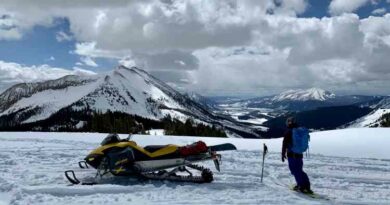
(350, 166)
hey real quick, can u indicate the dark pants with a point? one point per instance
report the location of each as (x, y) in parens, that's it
(296, 165)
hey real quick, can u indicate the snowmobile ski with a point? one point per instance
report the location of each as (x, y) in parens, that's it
(71, 176)
(83, 165)
(222, 147)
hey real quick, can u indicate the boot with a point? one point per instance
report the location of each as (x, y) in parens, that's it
(306, 190)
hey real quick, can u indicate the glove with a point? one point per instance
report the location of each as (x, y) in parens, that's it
(283, 157)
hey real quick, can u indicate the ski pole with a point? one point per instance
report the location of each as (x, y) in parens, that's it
(265, 150)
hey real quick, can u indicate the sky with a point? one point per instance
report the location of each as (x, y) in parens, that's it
(215, 48)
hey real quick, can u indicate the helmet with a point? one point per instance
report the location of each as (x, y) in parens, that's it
(290, 120)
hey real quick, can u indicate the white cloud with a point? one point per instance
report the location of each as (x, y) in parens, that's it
(379, 11)
(11, 73)
(293, 7)
(51, 58)
(226, 46)
(128, 62)
(169, 60)
(337, 7)
(8, 30)
(82, 72)
(90, 49)
(88, 61)
(15, 22)
(336, 53)
(62, 36)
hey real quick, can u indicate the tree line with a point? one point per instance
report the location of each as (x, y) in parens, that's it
(85, 120)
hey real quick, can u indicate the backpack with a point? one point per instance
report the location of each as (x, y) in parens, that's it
(300, 140)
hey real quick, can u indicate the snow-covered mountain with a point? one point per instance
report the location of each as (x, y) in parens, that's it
(382, 104)
(373, 119)
(304, 95)
(320, 108)
(293, 100)
(128, 90)
(202, 100)
(24, 90)
(304, 99)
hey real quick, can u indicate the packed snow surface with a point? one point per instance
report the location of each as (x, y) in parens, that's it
(350, 166)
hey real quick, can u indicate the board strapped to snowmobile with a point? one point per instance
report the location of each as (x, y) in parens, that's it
(158, 162)
(222, 147)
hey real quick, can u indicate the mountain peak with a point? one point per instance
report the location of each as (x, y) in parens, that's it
(317, 94)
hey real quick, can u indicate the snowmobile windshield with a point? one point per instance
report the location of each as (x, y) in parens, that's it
(111, 138)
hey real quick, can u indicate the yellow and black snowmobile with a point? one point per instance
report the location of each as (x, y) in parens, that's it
(123, 157)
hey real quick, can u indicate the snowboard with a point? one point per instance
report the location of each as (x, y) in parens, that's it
(222, 147)
(313, 195)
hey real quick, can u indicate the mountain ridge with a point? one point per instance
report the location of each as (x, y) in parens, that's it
(128, 90)
(304, 95)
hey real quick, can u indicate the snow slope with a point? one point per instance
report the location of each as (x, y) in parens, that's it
(32, 165)
(371, 119)
(128, 90)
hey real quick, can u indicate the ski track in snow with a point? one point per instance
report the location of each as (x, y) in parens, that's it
(31, 172)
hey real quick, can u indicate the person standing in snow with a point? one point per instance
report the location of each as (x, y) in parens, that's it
(295, 159)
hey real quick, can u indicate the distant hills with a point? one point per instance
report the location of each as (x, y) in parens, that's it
(315, 108)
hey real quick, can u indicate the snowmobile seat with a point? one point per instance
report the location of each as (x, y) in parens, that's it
(153, 148)
(160, 150)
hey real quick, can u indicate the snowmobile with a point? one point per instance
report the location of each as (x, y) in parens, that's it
(123, 157)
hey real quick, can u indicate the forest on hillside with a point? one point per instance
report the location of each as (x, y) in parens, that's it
(85, 120)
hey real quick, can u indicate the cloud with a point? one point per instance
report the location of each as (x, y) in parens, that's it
(169, 60)
(341, 52)
(15, 22)
(88, 61)
(90, 49)
(291, 7)
(8, 30)
(225, 46)
(12, 73)
(51, 58)
(338, 7)
(62, 36)
(379, 11)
